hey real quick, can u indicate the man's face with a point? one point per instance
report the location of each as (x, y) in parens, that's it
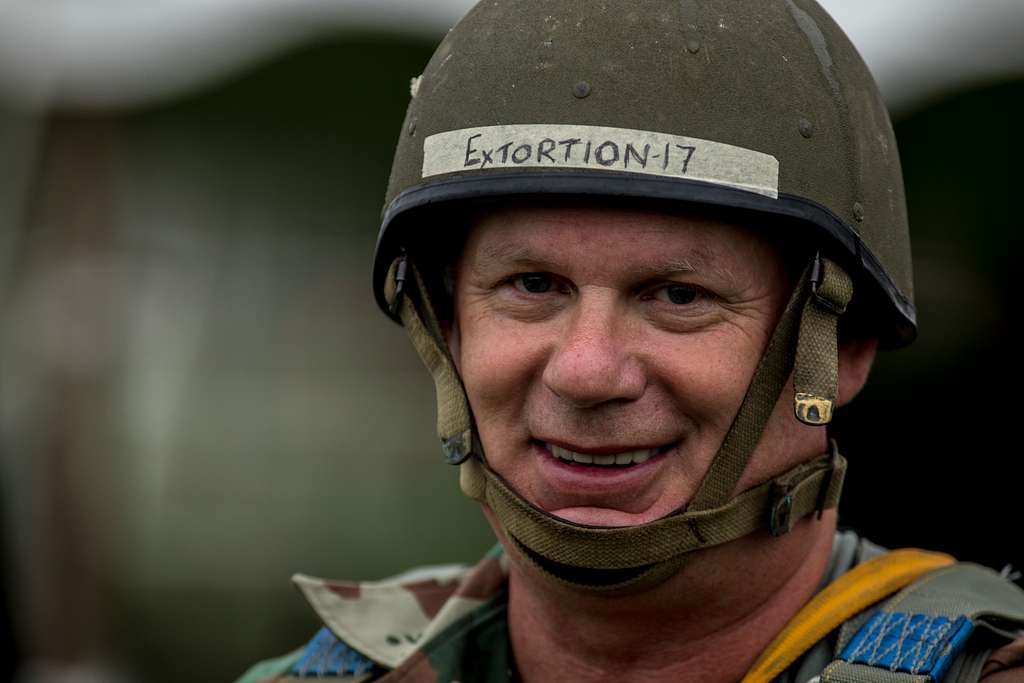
(605, 353)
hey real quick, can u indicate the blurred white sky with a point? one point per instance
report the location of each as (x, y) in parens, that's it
(109, 53)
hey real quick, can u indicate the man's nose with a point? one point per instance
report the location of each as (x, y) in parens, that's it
(593, 361)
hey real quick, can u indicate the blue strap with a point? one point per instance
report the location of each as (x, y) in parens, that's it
(326, 656)
(916, 644)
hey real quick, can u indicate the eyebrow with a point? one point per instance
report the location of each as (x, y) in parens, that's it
(521, 255)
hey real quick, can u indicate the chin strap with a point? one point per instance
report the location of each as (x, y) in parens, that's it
(809, 351)
(633, 558)
(404, 289)
(630, 557)
(816, 373)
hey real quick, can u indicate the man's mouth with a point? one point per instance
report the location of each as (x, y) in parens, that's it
(610, 484)
(623, 459)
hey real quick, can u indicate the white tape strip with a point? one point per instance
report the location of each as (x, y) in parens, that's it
(615, 150)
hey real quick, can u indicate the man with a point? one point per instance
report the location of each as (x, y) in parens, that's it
(622, 237)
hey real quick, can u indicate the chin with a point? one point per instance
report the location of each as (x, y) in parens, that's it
(594, 516)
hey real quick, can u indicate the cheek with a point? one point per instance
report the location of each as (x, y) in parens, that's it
(709, 377)
(498, 365)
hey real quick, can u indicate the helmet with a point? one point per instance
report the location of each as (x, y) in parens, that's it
(756, 106)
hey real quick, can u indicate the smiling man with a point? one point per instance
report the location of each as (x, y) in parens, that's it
(645, 251)
(605, 352)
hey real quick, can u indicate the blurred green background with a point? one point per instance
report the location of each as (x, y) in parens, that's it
(198, 397)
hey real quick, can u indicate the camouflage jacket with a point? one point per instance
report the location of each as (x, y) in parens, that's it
(448, 624)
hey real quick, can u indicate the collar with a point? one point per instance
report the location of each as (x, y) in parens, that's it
(390, 620)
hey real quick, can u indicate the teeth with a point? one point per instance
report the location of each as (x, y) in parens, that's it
(628, 458)
(580, 457)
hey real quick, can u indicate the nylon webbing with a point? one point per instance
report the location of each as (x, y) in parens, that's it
(787, 498)
(991, 602)
(815, 375)
(454, 420)
(861, 587)
(571, 577)
(804, 334)
(763, 393)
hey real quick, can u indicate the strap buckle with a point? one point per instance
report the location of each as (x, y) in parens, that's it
(826, 484)
(401, 272)
(787, 489)
(821, 293)
(780, 522)
(456, 449)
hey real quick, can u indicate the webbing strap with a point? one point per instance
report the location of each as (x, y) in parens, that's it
(808, 349)
(763, 393)
(848, 595)
(454, 420)
(634, 581)
(924, 632)
(783, 501)
(815, 375)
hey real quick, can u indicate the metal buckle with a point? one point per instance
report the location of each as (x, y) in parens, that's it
(813, 410)
(817, 278)
(833, 461)
(400, 275)
(455, 450)
(781, 520)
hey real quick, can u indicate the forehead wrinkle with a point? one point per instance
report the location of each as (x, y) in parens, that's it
(517, 253)
(505, 251)
(504, 255)
(708, 264)
(696, 257)
(664, 268)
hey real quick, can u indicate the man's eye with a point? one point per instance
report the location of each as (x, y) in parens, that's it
(677, 294)
(534, 283)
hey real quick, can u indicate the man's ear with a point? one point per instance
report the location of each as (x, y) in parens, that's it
(855, 358)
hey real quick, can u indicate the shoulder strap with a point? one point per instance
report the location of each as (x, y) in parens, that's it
(922, 633)
(851, 593)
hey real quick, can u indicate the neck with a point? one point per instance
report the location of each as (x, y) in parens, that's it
(708, 623)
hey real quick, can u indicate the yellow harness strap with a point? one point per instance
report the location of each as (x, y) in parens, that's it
(851, 593)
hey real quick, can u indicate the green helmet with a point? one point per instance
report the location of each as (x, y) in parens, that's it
(757, 106)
